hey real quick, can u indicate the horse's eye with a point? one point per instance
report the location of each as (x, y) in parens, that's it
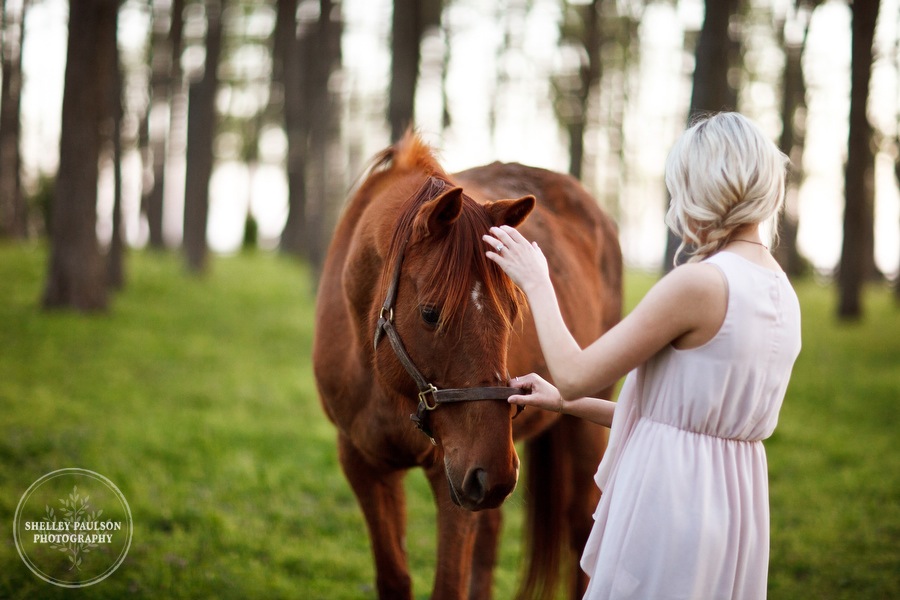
(431, 315)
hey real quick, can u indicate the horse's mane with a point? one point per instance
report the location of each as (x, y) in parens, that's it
(460, 251)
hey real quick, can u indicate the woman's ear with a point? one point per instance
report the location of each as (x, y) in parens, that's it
(510, 212)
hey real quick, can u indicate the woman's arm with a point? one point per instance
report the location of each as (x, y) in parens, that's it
(685, 308)
(542, 394)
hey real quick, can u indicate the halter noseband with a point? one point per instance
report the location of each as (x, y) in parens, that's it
(427, 390)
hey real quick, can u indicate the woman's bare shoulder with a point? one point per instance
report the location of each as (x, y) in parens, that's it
(693, 281)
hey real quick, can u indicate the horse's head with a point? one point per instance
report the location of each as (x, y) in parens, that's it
(454, 311)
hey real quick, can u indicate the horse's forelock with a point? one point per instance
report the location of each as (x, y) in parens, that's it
(462, 262)
(460, 258)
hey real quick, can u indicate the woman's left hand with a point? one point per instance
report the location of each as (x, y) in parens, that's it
(524, 262)
(539, 393)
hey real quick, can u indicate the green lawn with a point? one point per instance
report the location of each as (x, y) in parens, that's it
(196, 398)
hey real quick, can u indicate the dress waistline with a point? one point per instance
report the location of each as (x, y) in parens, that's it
(701, 433)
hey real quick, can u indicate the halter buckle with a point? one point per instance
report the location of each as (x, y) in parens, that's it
(424, 394)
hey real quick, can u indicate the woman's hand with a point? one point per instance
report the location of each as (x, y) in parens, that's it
(524, 262)
(540, 393)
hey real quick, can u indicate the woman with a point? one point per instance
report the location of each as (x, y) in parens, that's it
(708, 353)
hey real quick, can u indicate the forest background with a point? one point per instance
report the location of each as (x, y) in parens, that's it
(292, 98)
(144, 141)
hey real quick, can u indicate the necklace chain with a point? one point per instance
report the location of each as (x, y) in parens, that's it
(750, 242)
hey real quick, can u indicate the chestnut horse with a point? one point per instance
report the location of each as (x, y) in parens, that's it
(406, 270)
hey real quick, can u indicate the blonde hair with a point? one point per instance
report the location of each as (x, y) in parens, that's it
(722, 173)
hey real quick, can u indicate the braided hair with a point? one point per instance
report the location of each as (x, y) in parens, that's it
(722, 174)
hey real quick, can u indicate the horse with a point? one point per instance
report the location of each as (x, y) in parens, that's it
(416, 332)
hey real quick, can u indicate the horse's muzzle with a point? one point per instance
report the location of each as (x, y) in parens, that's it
(479, 492)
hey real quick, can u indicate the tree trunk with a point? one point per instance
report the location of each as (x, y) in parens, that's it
(411, 19)
(201, 132)
(289, 65)
(116, 255)
(312, 120)
(793, 109)
(897, 146)
(589, 79)
(323, 170)
(405, 40)
(857, 252)
(165, 84)
(714, 55)
(13, 210)
(77, 270)
(897, 177)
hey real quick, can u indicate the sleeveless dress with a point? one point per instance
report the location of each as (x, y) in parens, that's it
(684, 512)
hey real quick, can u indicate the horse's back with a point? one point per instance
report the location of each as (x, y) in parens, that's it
(560, 194)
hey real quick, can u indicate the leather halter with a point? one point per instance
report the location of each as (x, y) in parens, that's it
(430, 397)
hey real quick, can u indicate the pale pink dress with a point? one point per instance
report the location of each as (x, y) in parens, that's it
(685, 509)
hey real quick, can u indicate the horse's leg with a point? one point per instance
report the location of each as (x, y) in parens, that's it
(456, 538)
(586, 444)
(380, 494)
(484, 556)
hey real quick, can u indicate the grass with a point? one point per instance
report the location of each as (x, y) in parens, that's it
(834, 459)
(196, 398)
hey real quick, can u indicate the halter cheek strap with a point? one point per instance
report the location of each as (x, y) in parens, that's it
(430, 397)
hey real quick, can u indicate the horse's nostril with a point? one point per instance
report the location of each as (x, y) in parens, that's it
(475, 486)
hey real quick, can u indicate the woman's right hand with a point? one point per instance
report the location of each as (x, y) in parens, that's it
(520, 259)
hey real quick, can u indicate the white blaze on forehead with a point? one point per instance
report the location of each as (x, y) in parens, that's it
(476, 295)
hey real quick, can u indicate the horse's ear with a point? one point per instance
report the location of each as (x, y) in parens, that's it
(510, 212)
(441, 212)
